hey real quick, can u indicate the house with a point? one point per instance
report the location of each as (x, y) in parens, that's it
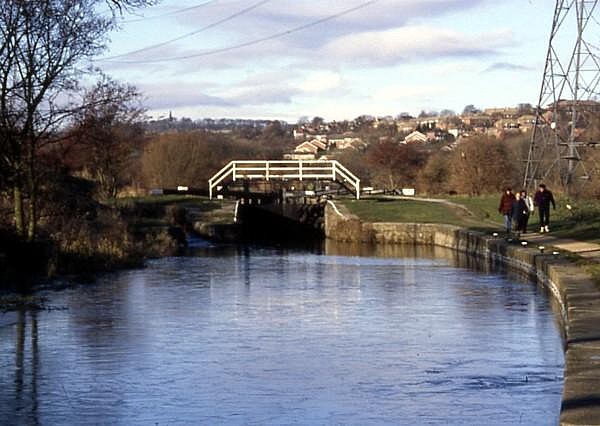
(319, 143)
(299, 134)
(482, 121)
(450, 122)
(502, 112)
(299, 156)
(582, 105)
(415, 137)
(347, 143)
(506, 123)
(307, 148)
(438, 135)
(526, 122)
(406, 126)
(454, 132)
(427, 123)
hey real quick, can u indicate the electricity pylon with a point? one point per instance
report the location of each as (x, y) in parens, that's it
(567, 121)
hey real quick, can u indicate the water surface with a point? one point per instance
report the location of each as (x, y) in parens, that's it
(255, 335)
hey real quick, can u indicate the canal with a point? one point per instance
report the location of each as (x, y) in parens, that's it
(254, 335)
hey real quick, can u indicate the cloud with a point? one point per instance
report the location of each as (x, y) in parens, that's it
(175, 95)
(321, 81)
(459, 66)
(187, 94)
(263, 95)
(277, 16)
(390, 47)
(403, 92)
(398, 19)
(271, 76)
(507, 66)
(360, 58)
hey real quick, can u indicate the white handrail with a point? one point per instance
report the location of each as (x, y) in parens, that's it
(285, 169)
(348, 176)
(348, 172)
(218, 178)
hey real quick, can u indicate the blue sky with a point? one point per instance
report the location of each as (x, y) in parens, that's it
(383, 58)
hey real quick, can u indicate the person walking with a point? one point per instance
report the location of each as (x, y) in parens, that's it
(505, 208)
(542, 200)
(530, 208)
(519, 213)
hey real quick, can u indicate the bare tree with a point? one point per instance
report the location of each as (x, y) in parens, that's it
(482, 165)
(433, 177)
(109, 132)
(191, 158)
(43, 45)
(393, 165)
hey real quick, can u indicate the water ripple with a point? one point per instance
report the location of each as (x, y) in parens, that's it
(255, 336)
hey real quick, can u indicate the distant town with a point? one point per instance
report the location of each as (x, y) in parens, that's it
(317, 138)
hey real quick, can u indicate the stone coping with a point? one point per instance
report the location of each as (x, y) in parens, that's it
(572, 288)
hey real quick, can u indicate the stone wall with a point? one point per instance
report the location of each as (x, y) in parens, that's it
(575, 293)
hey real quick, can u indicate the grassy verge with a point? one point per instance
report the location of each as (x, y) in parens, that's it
(387, 210)
(581, 222)
(484, 208)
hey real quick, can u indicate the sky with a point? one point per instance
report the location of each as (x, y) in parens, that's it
(337, 59)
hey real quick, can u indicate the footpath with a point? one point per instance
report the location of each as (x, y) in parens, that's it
(586, 250)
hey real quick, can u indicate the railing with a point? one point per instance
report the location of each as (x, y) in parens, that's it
(284, 169)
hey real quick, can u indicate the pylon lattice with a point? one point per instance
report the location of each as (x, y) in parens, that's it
(567, 122)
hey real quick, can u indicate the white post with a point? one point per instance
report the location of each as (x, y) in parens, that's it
(267, 170)
(300, 169)
(234, 175)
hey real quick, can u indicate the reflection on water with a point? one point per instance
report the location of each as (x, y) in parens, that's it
(253, 335)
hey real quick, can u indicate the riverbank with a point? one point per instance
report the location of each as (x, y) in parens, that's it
(102, 238)
(573, 289)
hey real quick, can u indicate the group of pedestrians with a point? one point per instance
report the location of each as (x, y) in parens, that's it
(517, 207)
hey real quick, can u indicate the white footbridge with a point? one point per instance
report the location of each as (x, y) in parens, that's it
(267, 170)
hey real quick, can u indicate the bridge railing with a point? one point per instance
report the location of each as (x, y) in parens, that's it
(284, 169)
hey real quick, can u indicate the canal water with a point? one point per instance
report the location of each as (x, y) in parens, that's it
(276, 336)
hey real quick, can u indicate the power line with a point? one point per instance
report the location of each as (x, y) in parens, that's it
(175, 12)
(181, 37)
(251, 42)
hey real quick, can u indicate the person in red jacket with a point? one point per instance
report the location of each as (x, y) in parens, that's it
(505, 208)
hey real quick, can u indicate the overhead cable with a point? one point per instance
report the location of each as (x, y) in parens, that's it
(174, 12)
(183, 36)
(247, 43)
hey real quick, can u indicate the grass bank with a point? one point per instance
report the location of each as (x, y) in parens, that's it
(394, 210)
(581, 222)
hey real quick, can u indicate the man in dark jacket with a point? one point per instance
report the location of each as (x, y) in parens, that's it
(505, 208)
(543, 198)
